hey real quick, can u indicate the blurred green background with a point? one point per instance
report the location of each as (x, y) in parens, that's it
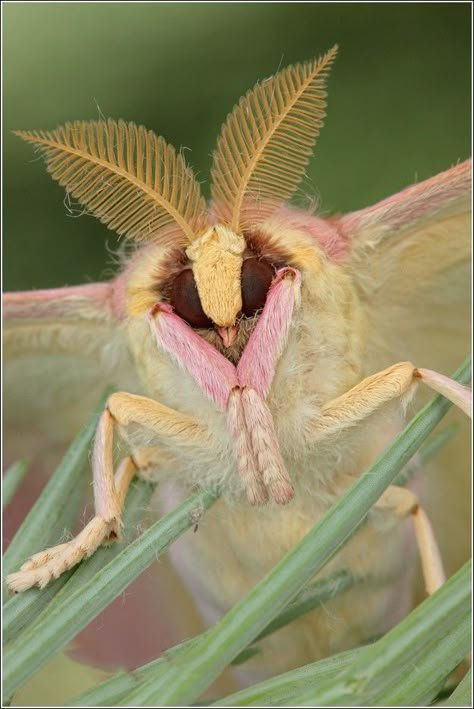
(399, 111)
(399, 100)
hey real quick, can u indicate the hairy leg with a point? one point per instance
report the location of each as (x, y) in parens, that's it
(51, 563)
(364, 398)
(378, 389)
(354, 406)
(110, 490)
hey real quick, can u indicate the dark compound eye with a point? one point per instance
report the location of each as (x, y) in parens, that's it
(256, 279)
(185, 300)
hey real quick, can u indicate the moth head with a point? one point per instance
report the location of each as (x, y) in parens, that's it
(143, 189)
(218, 286)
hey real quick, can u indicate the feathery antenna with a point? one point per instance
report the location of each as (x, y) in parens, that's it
(267, 141)
(129, 178)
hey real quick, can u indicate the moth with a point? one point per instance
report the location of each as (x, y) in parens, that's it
(253, 346)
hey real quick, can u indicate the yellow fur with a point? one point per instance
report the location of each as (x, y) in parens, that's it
(217, 264)
(303, 254)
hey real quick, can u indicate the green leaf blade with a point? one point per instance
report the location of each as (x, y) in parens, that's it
(12, 480)
(52, 630)
(45, 521)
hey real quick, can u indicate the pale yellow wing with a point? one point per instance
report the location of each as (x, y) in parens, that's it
(411, 257)
(61, 349)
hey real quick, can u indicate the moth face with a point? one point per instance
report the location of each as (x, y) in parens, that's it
(222, 290)
(218, 286)
(255, 278)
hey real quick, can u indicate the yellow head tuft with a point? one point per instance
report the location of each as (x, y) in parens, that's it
(217, 264)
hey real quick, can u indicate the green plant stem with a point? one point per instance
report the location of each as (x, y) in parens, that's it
(45, 521)
(280, 690)
(183, 680)
(115, 688)
(388, 664)
(12, 480)
(421, 685)
(53, 629)
(108, 692)
(21, 610)
(427, 452)
(462, 695)
(433, 446)
(111, 690)
(309, 598)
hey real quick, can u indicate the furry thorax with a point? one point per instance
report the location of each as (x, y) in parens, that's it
(319, 355)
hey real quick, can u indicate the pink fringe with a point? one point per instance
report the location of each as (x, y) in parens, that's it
(265, 446)
(258, 362)
(94, 300)
(333, 242)
(411, 204)
(242, 390)
(215, 375)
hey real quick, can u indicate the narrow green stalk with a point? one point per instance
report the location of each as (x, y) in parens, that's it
(44, 523)
(183, 680)
(433, 446)
(309, 598)
(462, 695)
(246, 655)
(21, 610)
(427, 452)
(389, 662)
(115, 688)
(53, 629)
(12, 480)
(327, 588)
(109, 692)
(421, 685)
(402, 645)
(280, 690)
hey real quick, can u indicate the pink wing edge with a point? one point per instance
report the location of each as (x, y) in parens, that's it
(93, 299)
(336, 234)
(415, 203)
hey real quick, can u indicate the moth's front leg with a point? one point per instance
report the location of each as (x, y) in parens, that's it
(363, 399)
(372, 392)
(124, 409)
(110, 490)
(54, 561)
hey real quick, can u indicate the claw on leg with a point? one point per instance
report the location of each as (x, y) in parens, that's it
(51, 563)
